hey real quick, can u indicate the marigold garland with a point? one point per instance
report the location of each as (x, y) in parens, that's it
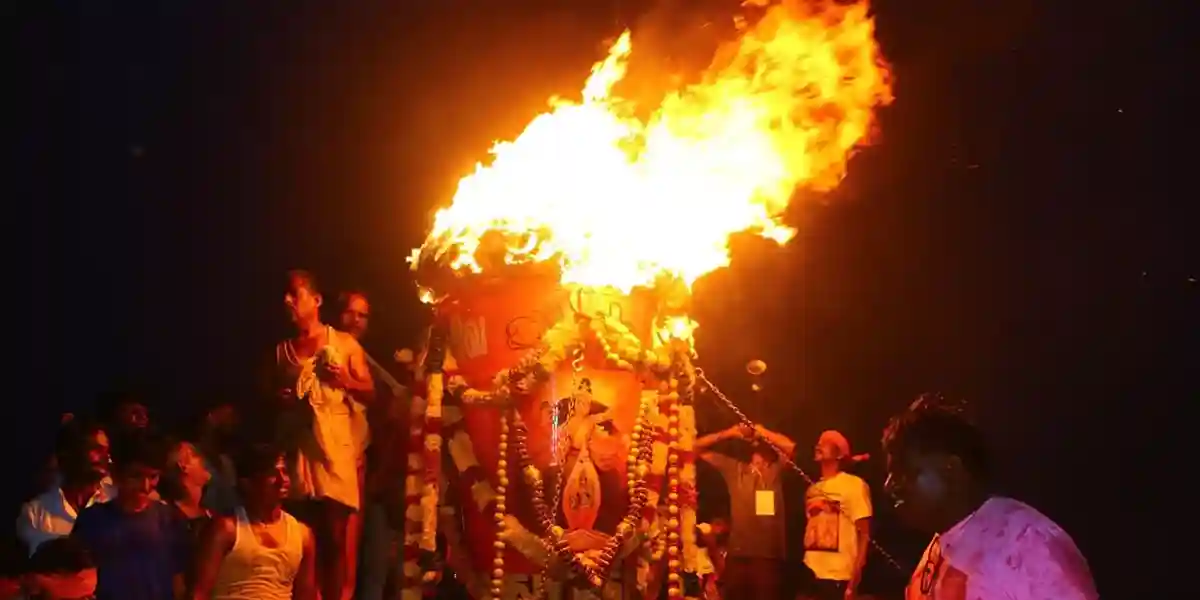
(413, 488)
(592, 569)
(660, 455)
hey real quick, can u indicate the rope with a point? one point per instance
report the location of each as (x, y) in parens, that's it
(744, 420)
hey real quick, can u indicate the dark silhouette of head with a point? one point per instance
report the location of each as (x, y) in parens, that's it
(937, 462)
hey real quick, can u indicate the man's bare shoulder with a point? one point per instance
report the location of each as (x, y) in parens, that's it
(222, 529)
(306, 532)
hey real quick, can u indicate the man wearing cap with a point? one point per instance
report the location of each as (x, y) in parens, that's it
(838, 532)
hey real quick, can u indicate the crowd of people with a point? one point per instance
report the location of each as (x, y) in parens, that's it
(269, 505)
(312, 505)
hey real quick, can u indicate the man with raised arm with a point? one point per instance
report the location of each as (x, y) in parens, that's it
(757, 546)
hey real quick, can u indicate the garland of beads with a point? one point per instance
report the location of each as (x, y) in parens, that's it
(670, 401)
(654, 542)
(499, 510)
(594, 572)
(623, 350)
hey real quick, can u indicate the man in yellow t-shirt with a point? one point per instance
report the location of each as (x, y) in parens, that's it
(838, 532)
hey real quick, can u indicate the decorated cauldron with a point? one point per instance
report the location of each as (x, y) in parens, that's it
(554, 431)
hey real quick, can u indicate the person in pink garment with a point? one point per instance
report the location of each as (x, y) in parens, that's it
(984, 547)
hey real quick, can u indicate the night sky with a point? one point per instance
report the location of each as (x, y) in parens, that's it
(1019, 237)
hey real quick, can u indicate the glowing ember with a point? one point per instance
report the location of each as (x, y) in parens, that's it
(619, 201)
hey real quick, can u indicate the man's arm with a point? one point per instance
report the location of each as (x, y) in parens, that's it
(181, 549)
(359, 384)
(861, 512)
(780, 441)
(27, 529)
(304, 587)
(215, 542)
(704, 442)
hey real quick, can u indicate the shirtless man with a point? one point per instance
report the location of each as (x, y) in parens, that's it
(321, 375)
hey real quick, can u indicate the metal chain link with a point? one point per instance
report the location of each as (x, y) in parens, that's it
(744, 420)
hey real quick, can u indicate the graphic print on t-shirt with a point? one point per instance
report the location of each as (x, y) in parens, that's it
(822, 533)
(935, 578)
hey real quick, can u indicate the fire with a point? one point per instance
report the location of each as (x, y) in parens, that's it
(619, 201)
(680, 328)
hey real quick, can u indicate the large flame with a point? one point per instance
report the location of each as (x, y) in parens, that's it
(619, 201)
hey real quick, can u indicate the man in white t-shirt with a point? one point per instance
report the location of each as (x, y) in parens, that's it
(838, 532)
(81, 452)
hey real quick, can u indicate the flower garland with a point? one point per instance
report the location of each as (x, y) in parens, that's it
(671, 530)
(413, 488)
(684, 423)
(423, 482)
(653, 447)
(593, 569)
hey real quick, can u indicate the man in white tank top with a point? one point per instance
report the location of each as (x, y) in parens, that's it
(261, 552)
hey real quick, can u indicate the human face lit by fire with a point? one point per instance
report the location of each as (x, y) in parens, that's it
(136, 483)
(301, 303)
(826, 451)
(96, 459)
(90, 463)
(190, 463)
(269, 488)
(759, 461)
(133, 416)
(920, 485)
(355, 316)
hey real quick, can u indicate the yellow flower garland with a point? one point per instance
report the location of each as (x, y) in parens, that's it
(649, 456)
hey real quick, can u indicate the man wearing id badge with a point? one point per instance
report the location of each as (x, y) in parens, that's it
(757, 546)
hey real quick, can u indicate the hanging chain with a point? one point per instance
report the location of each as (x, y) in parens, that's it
(744, 420)
(576, 368)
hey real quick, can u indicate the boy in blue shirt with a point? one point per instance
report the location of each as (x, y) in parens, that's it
(141, 547)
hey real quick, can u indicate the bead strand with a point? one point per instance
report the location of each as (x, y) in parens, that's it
(674, 554)
(499, 511)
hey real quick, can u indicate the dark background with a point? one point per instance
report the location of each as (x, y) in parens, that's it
(1019, 236)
